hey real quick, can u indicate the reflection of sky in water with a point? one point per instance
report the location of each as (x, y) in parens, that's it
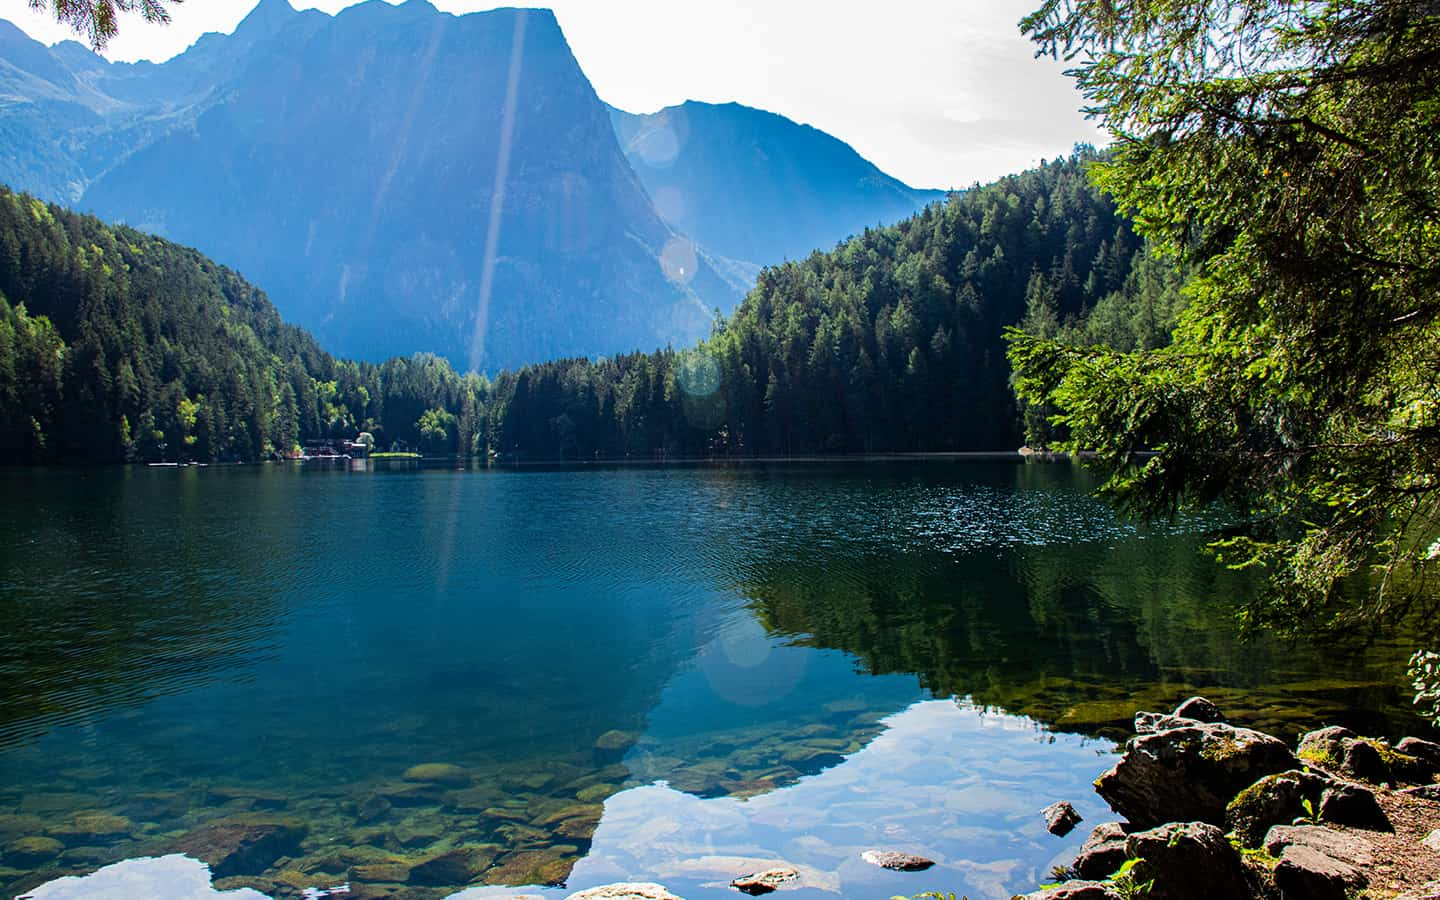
(945, 780)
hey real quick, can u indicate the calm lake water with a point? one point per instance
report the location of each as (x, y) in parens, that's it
(670, 674)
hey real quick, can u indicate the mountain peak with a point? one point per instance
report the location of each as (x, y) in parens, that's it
(268, 15)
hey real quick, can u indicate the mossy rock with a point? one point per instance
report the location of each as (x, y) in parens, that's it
(32, 850)
(393, 872)
(571, 811)
(437, 773)
(1273, 800)
(531, 867)
(89, 828)
(615, 740)
(596, 792)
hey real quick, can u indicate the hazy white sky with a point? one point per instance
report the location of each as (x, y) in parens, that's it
(939, 93)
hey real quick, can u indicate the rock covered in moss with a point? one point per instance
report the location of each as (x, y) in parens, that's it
(1187, 861)
(1102, 853)
(1060, 818)
(437, 773)
(32, 850)
(454, 867)
(1273, 800)
(1191, 773)
(1325, 746)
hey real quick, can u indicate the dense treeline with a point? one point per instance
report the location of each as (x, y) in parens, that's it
(118, 345)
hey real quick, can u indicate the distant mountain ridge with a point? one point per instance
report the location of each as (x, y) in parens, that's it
(756, 186)
(349, 165)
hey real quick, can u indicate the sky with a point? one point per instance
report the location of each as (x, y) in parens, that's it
(938, 93)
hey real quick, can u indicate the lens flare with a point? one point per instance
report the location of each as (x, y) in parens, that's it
(678, 261)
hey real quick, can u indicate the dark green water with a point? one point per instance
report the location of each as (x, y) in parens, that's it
(648, 673)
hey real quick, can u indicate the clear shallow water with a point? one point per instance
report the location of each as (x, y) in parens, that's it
(664, 673)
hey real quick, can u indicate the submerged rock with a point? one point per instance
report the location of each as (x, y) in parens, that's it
(460, 866)
(1102, 853)
(33, 850)
(1187, 861)
(1060, 818)
(1306, 872)
(615, 740)
(241, 847)
(625, 891)
(764, 882)
(437, 773)
(1190, 774)
(549, 866)
(92, 828)
(893, 859)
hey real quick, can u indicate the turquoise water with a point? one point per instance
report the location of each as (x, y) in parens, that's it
(669, 673)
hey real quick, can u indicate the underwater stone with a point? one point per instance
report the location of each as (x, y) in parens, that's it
(900, 862)
(590, 811)
(1060, 818)
(595, 792)
(549, 866)
(615, 740)
(437, 773)
(460, 866)
(29, 851)
(90, 827)
(385, 872)
(374, 808)
(241, 848)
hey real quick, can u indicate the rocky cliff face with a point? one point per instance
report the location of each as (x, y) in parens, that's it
(399, 179)
(755, 186)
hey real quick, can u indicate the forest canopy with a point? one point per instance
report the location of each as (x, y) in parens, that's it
(1284, 154)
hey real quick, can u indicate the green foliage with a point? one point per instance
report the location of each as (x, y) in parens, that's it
(1425, 675)
(97, 21)
(1283, 154)
(1126, 884)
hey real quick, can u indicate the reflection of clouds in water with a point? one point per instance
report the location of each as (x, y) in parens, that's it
(946, 780)
(173, 877)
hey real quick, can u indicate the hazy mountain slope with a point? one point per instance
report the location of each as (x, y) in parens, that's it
(754, 185)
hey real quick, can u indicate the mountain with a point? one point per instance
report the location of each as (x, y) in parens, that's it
(398, 178)
(755, 186)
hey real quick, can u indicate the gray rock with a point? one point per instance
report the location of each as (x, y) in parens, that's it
(1075, 890)
(1352, 804)
(1429, 751)
(1102, 853)
(765, 882)
(1347, 847)
(241, 847)
(1190, 774)
(1187, 861)
(1199, 709)
(1060, 818)
(628, 890)
(1362, 760)
(1432, 841)
(892, 859)
(1424, 791)
(1151, 722)
(1306, 872)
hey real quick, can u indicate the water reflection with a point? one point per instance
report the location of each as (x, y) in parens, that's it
(191, 647)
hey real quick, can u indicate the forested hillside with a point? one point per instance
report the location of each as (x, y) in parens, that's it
(119, 345)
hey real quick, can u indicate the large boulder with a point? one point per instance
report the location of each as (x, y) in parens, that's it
(1102, 853)
(1348, 847)
(1187, 861)
(1306, 872)
(242, 847)
(1341, 750)
(1344, 803)
(1191, 773)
